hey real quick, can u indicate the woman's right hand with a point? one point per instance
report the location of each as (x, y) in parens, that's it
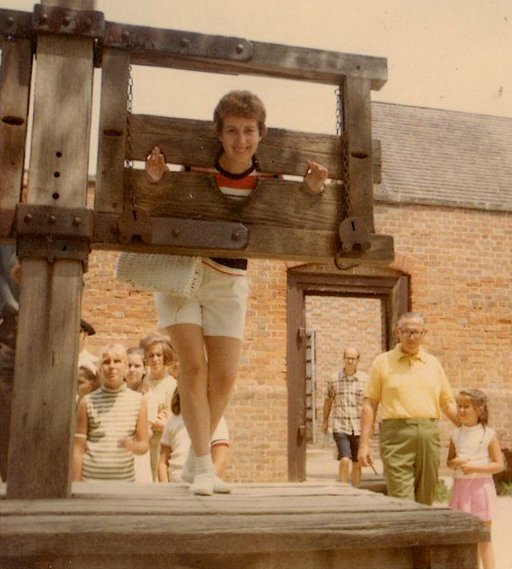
(155, 165)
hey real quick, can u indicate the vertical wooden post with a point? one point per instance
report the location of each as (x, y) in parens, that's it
(14, 99)
(112, 137)
(358, 134)
(295, 363)
(48, 325)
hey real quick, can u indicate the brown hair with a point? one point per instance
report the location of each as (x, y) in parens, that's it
(176, 402)
(479, 401)
(168, 351)
(240, 104)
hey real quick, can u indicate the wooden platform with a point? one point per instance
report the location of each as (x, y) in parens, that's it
(258, 526)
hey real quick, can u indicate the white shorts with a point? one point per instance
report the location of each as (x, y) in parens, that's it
(218, 306)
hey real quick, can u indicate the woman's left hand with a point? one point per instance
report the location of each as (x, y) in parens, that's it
(315, 177)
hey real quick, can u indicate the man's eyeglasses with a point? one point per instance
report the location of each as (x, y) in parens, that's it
(412, 333)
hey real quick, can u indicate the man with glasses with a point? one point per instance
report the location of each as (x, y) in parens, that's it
(344, 393)
(412, 389)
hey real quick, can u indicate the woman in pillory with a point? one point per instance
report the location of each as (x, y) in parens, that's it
(206, 330)
(475, 455)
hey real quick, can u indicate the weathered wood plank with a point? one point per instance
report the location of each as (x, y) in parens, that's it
(197, 196)
(41, 420)
(45, 369)
(194, 143)
(108, 195)
(383, 559)
(357, 133)
(216, 529)
(265, 526)
(265, 242)
(202, 52)
(15, 73)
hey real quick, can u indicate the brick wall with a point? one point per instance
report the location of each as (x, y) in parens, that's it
(460, 267)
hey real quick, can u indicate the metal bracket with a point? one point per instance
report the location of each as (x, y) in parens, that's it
(58, 20)
(137, 223)
(15, 24)
(54, 232)
(354, 235)
(176, 42)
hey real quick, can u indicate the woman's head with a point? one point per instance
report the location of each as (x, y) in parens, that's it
(472, 403)
(240, 104)
(136, 368)
(112, 365)
(158, 354)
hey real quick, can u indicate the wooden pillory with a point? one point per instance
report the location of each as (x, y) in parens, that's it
(184, 214)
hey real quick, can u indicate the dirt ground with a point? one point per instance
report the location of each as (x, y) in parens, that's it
(321, 465)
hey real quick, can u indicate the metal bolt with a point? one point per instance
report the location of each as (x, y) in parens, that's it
(175, 232)
(184, 42)
(235, 236)
(239, 48)
(77, 220)
(66, 21)
(10, 22)
(87, 23)
(125, 35)
(52, 219)
(44, 19)
(27, 218)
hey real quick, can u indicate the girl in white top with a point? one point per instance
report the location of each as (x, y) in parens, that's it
(175, 445)
(159, 385)
(475, 455)
(134, 378)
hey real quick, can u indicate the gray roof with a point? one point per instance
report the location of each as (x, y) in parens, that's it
(438, 157)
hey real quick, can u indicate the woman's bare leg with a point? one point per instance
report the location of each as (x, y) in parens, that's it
(223, 355)
(188, 341)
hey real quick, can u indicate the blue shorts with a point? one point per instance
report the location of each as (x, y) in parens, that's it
(348, 445)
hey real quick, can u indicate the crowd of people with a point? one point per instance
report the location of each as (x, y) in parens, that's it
(129, 422)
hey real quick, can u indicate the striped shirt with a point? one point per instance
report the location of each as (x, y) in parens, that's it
(111, 416)
(347, 395)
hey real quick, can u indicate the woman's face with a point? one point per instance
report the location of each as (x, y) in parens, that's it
(155, 359)
(135, 371)
(239, 137)
(112, 369)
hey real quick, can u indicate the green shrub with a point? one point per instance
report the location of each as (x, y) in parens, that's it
(443, 492)
(504, 488)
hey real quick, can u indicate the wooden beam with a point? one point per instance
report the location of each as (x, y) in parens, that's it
(194, 143)
(284, 221)
(108, 195)
(358, 152)
(15, 74)
(48, 326)
(219, 54)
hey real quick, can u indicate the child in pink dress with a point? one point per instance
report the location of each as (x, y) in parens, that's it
(475, 455)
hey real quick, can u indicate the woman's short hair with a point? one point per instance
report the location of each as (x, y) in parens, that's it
(240, 104)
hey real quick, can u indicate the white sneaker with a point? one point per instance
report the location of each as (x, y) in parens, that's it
(202, 485)
(220, 486)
